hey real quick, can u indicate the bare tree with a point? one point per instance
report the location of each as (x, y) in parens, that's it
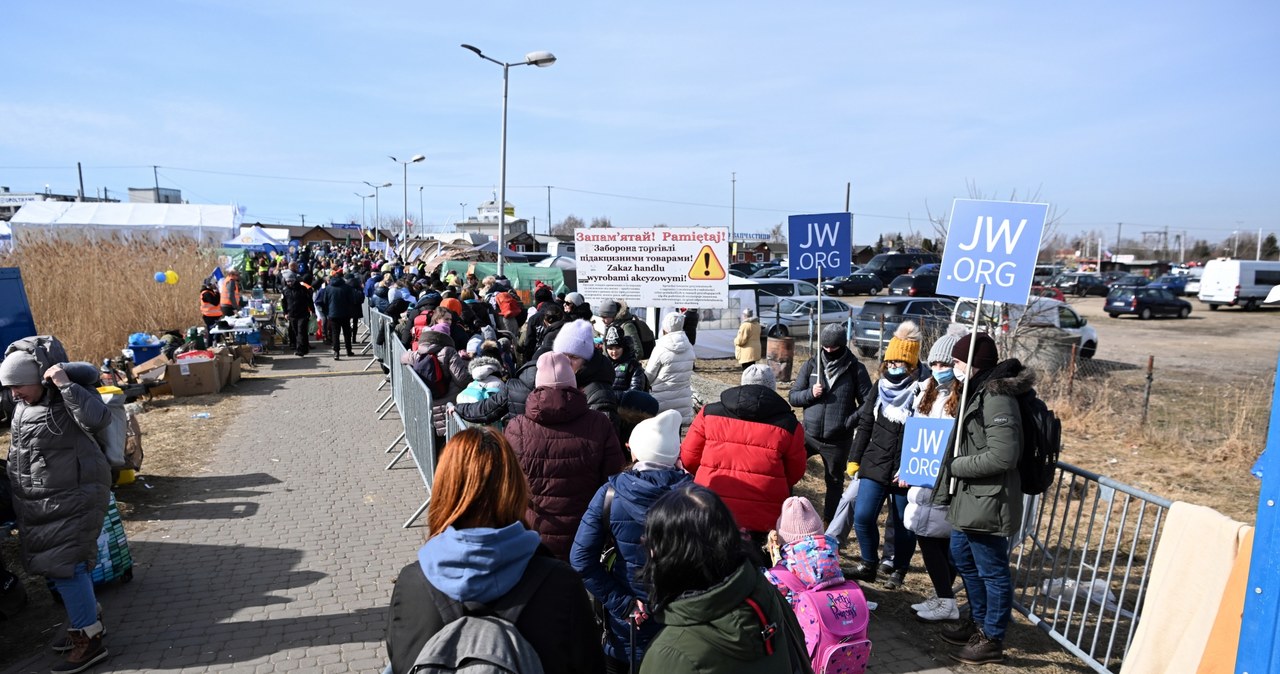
(565, 227)
(940, 221)
(601, 221)
(778, 233)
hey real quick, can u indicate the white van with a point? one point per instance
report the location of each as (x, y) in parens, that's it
(1242, 283)
(1042, 312)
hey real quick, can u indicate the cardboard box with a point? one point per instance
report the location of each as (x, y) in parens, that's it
(228, 366)
(244, 354)
(193, 379)
(157, 363)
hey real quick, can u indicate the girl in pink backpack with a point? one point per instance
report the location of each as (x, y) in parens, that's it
(831, 611)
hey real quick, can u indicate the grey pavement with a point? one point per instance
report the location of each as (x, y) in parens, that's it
(284, 557)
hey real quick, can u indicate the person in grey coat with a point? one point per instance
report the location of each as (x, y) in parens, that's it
(61, 486)
(831, 397)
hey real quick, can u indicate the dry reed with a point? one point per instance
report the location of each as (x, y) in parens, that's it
(92, 294)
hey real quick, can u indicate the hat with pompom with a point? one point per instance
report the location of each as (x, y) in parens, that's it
(905, 344)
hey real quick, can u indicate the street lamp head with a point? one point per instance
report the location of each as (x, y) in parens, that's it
(416, 158)
(386, 184)
(473, 49)
(542, 59)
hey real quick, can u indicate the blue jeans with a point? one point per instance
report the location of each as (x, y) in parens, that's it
(866, 513)
(983, 563)
(78, 598)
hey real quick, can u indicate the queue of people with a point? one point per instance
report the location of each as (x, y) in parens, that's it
(593, 495)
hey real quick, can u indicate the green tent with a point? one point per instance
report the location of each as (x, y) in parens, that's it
(521, 275)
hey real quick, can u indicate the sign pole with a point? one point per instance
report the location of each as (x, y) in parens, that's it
(964, 390)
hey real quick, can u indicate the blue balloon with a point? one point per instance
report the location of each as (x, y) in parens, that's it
(159, 277)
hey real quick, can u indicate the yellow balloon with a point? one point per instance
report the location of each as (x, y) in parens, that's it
(171, 277)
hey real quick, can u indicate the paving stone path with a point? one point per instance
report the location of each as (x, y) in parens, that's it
(283, 557)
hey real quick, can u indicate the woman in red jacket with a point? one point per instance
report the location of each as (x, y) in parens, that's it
(748, 449)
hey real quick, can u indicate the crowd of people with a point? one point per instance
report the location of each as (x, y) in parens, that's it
(613, 523)
(667, 511)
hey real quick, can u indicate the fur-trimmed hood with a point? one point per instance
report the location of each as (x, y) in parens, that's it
(484, 366)
(1008, 378)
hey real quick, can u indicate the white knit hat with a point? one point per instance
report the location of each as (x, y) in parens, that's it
(672, 322)
(657, 440)
(19, 369)
(575, 339)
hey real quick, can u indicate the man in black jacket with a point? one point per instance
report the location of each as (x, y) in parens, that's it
(831, 396)
(297, 301)
(342, 307)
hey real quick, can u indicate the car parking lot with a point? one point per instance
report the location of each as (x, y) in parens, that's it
(1225, 343)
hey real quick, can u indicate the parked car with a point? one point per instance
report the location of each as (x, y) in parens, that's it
(915, 285)
(770, 291)
(1041, 311)
(1043, 273)
(746, 268)
(1193, 274)
(931, 313)
(1243, 283)
(797, 313)
(1048, 291)
(1109, 276)
(1080, 284)
(889, 266)
(769, 272)
(1174, 283)
(737, 272)
(1145, 303)
(1131, 280)
(853, 284)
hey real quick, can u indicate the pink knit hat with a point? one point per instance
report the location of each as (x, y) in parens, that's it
(798, 520)
(554, 370)
(441, 327)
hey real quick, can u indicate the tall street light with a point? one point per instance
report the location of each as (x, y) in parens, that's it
(464, 211)
(377, 213)
(421, 217)
(542, 59)
(362, 198)
(404, 236)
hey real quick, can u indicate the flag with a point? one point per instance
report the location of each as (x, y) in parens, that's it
(217, 274)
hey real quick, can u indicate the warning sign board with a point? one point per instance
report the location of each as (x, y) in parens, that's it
(654, 267)
(706, 266)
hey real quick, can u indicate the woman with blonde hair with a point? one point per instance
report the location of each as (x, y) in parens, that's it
(481, 559)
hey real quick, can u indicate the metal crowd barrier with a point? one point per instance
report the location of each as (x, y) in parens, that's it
(363, 331)
(379, 324)
(1081, 570)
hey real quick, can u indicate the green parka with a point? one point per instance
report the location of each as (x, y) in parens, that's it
(717, 631)
(987, 494)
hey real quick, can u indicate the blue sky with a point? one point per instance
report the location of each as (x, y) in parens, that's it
(1151, 114)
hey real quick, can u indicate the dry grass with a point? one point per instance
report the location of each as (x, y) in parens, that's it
(93, 294)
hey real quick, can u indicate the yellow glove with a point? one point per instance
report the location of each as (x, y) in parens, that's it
(852, 469)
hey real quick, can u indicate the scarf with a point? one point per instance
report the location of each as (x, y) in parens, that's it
(833, 367)
(898, 396)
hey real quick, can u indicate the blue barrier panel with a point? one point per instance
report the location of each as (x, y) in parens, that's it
(1260, 633)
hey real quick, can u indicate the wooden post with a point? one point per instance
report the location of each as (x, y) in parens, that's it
(1146, 397)
(1071, 372)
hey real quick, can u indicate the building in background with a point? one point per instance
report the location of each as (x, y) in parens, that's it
(10, 202)
(154, 195)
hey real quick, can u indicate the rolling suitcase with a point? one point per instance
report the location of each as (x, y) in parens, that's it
(114, 560)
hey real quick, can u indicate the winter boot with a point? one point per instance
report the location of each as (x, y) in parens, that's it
(938, 610)
(64, 645)
(960, 633)
(86, 650)
(980, 650)
(895, 580)
(862, 571)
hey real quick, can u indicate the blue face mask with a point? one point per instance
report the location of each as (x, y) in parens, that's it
(896, 371)
(944, 377)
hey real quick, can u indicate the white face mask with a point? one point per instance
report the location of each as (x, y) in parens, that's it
(960, 374)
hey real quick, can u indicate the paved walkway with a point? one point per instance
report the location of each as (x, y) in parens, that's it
(284, 558)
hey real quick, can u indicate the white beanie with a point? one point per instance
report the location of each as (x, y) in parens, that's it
(759, 374)
(657, 440)
(575, 339)
(672, 322)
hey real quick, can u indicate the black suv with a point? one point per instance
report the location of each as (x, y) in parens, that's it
(889, 266)
(915, 285)
(932, 314)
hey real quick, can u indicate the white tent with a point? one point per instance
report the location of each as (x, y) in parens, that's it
(209, 223)
(256, 239)
(6, 236)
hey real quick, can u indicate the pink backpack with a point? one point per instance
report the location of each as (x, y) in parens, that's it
(834, 620)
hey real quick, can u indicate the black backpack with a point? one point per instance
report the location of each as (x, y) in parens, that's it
(1041, 443)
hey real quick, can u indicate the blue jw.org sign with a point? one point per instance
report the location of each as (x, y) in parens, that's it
(992, 243)
(819, 242)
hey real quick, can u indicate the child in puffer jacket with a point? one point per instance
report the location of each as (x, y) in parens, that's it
(486, 378)
(803, 549)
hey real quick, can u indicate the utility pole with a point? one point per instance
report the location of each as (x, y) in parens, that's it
(548, 211)
(1119, 227)
(155, 173)
(80, 173)
(733, 215)
(304, 219)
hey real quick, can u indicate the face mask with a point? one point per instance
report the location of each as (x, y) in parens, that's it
(896, 374)
(960, 376)
(944, 377)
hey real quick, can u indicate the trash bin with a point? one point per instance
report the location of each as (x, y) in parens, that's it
(779, 353)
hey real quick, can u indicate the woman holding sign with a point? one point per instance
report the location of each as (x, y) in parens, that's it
(877, 452)
(935, 400)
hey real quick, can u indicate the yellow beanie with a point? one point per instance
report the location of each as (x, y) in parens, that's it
(905, 344)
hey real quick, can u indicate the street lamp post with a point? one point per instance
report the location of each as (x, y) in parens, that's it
(362, 223)
(464, 211)
(421, 217)
(542, 59)
(377, 213)
(404, 226)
